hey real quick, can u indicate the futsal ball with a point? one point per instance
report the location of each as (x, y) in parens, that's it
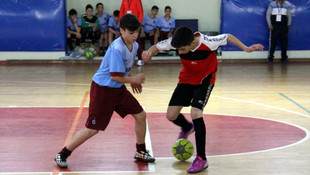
(89, 55)
(182, 149)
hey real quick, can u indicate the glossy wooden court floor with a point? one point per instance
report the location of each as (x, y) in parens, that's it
(257, 118)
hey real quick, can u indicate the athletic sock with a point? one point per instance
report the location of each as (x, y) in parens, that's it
(182, 122)
(140, 147)
(65, 152)
(200, 136)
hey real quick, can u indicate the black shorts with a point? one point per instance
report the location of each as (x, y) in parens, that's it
(192, 95)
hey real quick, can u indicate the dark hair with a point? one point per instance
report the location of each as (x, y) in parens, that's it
(154, 7)
(89, 7)
(116, 13)
(99, 4)
(129, 22)
(183, 36)
(167, 7)
(72, 12)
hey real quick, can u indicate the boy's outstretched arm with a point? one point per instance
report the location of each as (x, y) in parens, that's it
(235, 41)
(147, 55)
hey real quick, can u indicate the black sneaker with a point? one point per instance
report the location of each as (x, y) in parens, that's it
(61, 161)
(144, 156)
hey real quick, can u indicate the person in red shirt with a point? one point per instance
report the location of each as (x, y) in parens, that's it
(196, 81)
(133, 7)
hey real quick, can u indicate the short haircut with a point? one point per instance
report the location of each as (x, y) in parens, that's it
(129, 22)
(72, 12)
(167, 7)
(89, 7)
(154, 7)
(98, 4)
(116, 13)
(183, 36)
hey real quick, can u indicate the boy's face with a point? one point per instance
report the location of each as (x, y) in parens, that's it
(73, 17)
(154, 12)
(115, 18)
(89, 12)
(100, 8)
(184, 49)
(129, 36)
(167, 12)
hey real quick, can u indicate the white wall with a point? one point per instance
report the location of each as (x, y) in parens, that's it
(206, 11)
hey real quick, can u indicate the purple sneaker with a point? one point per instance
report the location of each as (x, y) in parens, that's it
(198, 165)
(184, 135)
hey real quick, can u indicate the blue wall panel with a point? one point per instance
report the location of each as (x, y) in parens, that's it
(32, 25)
(246, 19)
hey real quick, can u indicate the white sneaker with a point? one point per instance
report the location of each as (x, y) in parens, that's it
(140, 63)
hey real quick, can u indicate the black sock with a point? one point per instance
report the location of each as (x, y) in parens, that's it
(140, 147)
(200, 136)
(182, 122)
(65, 152)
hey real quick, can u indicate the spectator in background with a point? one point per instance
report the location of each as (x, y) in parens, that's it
(279, 20)
(90, 25)
(148, 28)
(73, 29)
(114, 31)
(103, 18)
(133, 7)
(165, 25)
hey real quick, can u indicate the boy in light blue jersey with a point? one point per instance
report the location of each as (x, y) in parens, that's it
(108, 93)
(149, 28)
(165, 25)
(114, 31)
(103, 18)
(73, 29)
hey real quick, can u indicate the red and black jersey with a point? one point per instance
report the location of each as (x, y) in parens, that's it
(201, 61)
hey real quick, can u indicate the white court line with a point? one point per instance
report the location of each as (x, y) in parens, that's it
(269, 106)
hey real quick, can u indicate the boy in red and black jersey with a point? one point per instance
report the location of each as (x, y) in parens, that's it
(196, 80)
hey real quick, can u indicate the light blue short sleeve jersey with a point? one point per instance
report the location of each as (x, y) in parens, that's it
(113, 24)
(118, 59)
(164, 25)
(149, 24)
(103, 21)
(70, 24)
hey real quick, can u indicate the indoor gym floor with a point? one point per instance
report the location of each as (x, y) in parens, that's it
(257, 119)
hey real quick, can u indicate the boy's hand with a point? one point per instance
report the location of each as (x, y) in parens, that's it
(136, 88)
(146, 55)
(139, 79)
(136, 85)
(254, 47)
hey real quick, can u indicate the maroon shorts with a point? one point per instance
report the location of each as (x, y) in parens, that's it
(104, 101)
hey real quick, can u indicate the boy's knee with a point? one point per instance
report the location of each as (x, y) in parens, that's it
(92, 132)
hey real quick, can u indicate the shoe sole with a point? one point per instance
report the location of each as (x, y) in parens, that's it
(60, 165)
(143, 160)
(198, 171)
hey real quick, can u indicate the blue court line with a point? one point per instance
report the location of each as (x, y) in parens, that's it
(294, 103)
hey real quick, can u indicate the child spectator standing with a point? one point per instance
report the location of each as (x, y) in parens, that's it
(114, 31)
(103, 18)
(166, 25)
(148, 28)
(196, 81)
(90, 25)
(73, 29)
(108, 93)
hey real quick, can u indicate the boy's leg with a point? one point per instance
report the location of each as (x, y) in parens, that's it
(79, 138)
(140, 127)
